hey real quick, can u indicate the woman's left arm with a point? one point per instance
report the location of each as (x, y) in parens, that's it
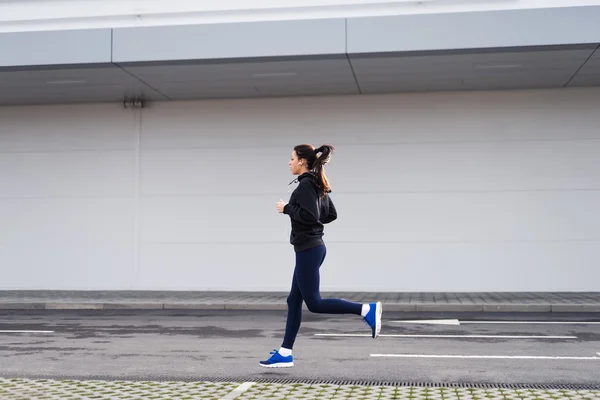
(331, 211)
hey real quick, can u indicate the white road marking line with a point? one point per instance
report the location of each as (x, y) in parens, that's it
(458, 322)
(238, 391)
(488, 357)
(26, 331)
(432, 321)
(449, 336)
(534, 322)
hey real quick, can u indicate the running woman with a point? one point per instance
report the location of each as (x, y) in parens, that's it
(309, 208)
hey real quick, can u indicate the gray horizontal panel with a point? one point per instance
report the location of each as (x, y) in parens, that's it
(512, 85)
(232, 93)
(411, 87)
(314, 89)
(232, 40)
(592, 66)
(462, 83)
(588, 75)
(54, 99)
(379, 89)
(84, 91)
(471, 62)
(363, 69)
(511, 75)
(488, 56)
(165, 87)
(65, 77)
(506, 28)
(423, 83)
(585, 80)
(522, 80)
(112, 93)
(108, 83)
(181, 92)
(55, 47)
(175, 90)
(252, 73)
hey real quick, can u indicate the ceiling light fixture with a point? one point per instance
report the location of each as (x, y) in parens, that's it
(275, 74)
(66, 82)
(498, 66)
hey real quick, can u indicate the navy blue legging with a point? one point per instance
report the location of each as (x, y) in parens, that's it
(305, 286)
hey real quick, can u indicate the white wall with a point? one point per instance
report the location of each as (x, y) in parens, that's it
(35, 15)
(66, 197)
(494, 191)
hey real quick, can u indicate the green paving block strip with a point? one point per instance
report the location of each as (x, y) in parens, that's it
(31, 389)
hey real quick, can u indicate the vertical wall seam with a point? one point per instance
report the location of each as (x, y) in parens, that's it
(136, 196)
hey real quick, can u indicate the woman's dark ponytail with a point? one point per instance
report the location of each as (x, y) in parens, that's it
(323, 156)
(316, 158)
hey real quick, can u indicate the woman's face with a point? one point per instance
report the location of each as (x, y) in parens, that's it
(295, 164)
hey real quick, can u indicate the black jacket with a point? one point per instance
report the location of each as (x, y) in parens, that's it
(308, 213)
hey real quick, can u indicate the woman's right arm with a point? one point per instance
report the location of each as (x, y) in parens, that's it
(307, 211)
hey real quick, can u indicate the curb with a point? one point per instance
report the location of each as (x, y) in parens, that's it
(393, 307)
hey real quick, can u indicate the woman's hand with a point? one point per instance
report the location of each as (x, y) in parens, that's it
(280, 205)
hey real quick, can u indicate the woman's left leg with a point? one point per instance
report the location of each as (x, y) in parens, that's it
(308, 280)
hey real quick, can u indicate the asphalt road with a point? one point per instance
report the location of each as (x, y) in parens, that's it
(229, 344)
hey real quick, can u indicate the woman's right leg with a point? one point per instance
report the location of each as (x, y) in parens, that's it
(283, 356)
(294, 315)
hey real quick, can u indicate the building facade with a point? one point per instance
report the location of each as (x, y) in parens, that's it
(143, 145)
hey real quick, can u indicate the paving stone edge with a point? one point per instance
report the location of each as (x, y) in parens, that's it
(398, 307)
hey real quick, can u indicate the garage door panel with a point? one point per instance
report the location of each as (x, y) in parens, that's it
(398, 217)
(471, 166)
(209, 125)
(467, 217)
(71, 243)
(89, 267)
(213, 172)
(102, 173)
(363, 120)
(66, 128)
(497, 166)
(213, 219)
(453, 267)
(441, 267)
(198, 266)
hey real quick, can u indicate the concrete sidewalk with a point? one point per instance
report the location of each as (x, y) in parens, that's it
(206, 300)
(99, 389)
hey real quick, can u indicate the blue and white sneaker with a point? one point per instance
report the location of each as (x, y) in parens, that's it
(373, 318)
(278, 361)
